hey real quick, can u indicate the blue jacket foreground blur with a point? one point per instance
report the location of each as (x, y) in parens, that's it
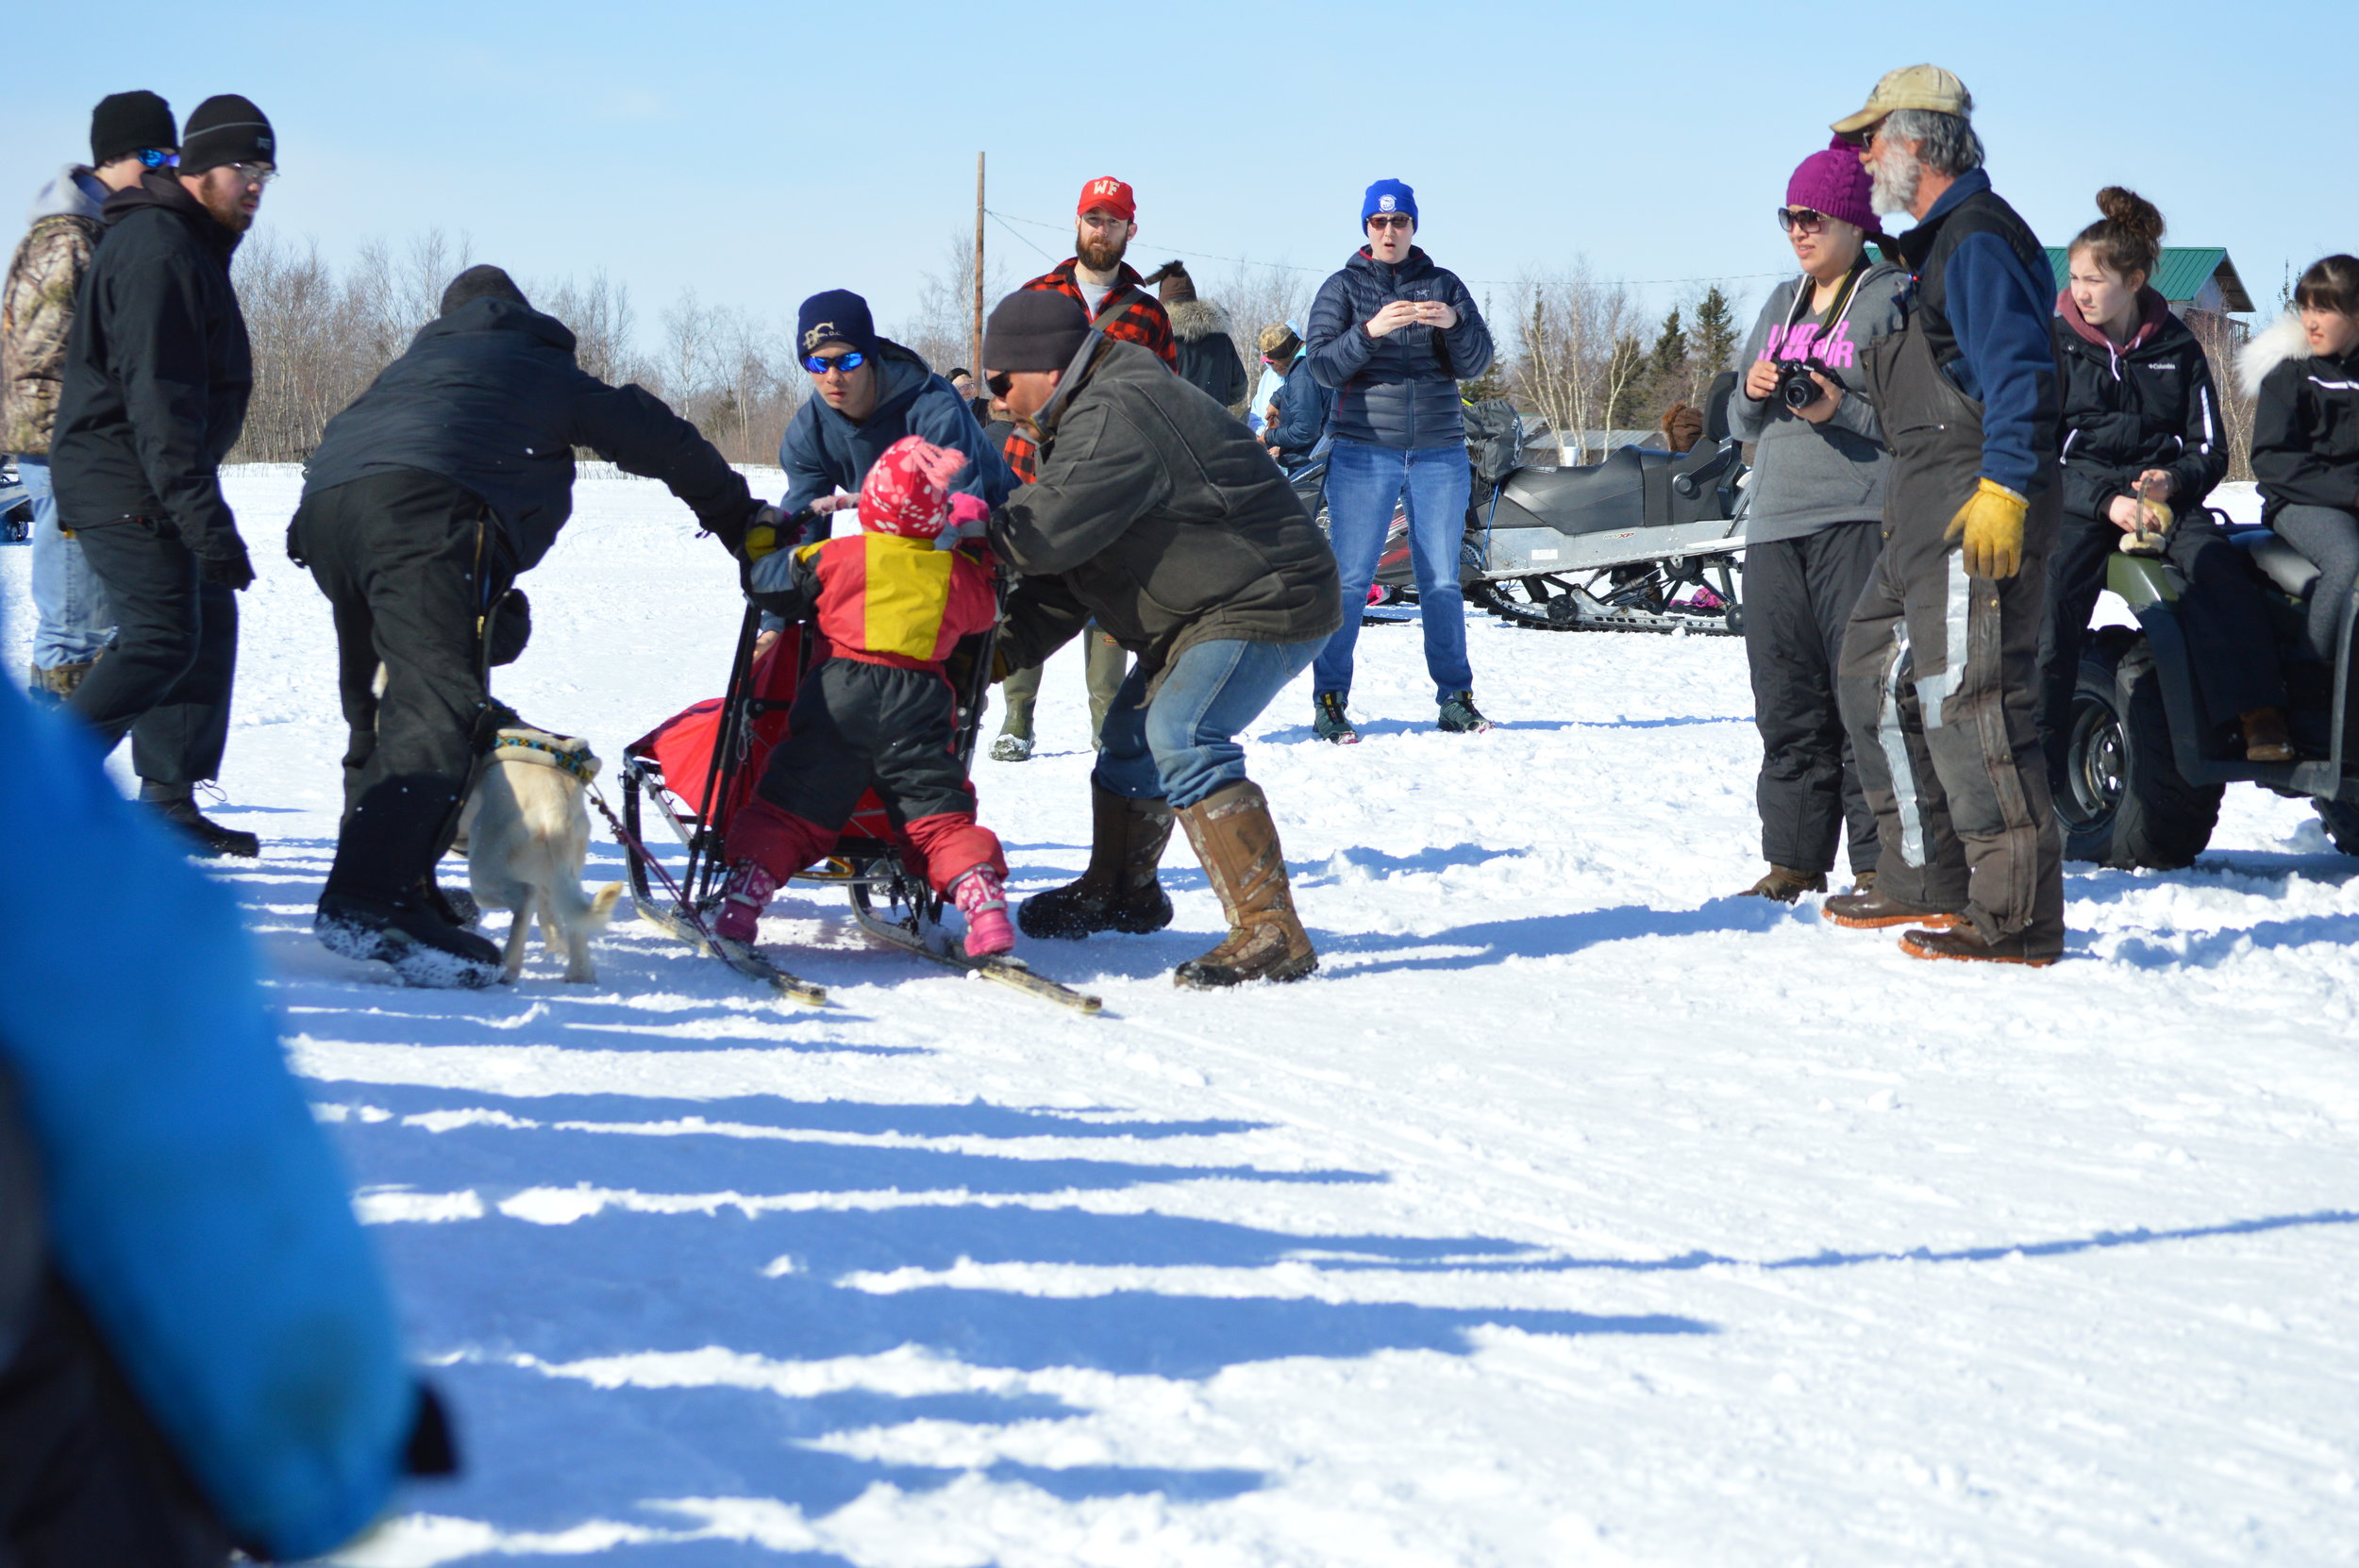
(192, 1207)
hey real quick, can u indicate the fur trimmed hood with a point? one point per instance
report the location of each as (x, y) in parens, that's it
(1194, 320)
(2283, 341)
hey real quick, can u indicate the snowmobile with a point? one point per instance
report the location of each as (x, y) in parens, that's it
(695, 770)
(2145, 764)
(16, 507)
(1645, 541)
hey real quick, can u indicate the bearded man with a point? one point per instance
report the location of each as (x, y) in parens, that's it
(1110, 293)
(1939, 674)
(155, 377)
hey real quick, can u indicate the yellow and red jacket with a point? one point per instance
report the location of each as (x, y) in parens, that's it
(881, 598)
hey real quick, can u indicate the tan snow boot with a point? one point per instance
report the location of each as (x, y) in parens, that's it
(1233, 836)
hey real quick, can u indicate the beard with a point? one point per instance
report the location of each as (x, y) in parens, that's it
(1893, 178)
(1100, 255)
(225, 208)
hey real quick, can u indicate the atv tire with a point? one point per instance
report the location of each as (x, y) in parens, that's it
(2122, 802)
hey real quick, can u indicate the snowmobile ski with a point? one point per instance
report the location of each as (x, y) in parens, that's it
(1000, 968)
(735, 954)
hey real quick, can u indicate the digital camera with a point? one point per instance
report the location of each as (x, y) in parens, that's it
(1795, 389)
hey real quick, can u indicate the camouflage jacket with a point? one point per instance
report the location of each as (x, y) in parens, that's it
(36, 311)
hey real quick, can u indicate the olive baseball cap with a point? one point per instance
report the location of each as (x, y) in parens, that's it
(1926, 86)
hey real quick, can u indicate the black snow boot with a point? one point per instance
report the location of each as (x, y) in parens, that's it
(1329, 722)
(1120, 890)
(1459, 716)
(177, 805)
(424, 948)
(457, 906)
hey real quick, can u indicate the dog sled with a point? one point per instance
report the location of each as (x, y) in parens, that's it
(694, 772)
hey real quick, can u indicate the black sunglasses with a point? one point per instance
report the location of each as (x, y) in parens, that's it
(998, 382)
(1802, 218)
(1392, 220)
(819, 364)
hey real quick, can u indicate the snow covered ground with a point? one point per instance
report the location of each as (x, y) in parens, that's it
(1576, 1212)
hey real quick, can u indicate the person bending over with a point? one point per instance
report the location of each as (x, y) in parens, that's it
(423, 502)
(2304, 377)
(2142, 446)
(892, 601)
(1161, 516)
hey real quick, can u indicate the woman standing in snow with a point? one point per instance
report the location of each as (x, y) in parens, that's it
(1812, 534)
(2141, 441)
(2304, 374)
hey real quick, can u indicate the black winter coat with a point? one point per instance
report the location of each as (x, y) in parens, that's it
(2126, 411)
(489, 398)
(1208, 354)
(157, 373)
(2306, 434)
(1400, 389)
(1162, 517)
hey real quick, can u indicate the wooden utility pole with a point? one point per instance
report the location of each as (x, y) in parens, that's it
(975, 360)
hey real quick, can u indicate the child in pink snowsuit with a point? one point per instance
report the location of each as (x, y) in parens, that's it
(877, 712)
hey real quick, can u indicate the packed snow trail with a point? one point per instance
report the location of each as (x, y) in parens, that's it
(1578, 1211)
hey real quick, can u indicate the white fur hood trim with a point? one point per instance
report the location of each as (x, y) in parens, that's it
(2283, 341)
(1194, 318)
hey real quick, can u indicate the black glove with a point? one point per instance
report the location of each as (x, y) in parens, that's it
(227, 566)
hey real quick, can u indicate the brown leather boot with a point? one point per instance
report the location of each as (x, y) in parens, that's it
(1870, 908)
(1963, 941)
(1786, 884)
(1119, 891)
(2265, 737)
(1238, 843)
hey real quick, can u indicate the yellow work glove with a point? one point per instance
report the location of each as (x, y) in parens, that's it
(1991, 526)
(761, 534)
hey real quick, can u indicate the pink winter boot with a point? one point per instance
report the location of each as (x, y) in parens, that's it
(742, 899)
(984, 902)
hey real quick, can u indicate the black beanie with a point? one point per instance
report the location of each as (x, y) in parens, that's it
(227, 130)
(1034, 329)
(482, 282)
(127, 122)
(837, 316)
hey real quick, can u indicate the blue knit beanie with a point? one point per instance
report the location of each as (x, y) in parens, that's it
(838, 316)
(1387, 195)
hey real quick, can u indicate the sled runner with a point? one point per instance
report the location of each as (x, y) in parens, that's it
(698, 768)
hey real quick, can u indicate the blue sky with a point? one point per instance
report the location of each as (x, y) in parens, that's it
(758, 153)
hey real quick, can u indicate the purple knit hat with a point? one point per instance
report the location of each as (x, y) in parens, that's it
(1834, 182)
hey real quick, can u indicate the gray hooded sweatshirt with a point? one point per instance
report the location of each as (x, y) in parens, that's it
(1809, 477)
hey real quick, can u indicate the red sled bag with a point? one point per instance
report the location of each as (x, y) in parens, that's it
(681, 746)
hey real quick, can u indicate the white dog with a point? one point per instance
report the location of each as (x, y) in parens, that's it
(526, 829)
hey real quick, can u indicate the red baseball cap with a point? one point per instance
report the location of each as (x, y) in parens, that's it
(1111, 194)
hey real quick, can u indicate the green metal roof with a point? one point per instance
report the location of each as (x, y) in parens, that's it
(2181, 277)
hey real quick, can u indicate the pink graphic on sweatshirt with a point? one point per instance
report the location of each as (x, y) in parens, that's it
(1806, 340)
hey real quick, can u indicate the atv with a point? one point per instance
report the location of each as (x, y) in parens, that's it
(2146, 765)
(1645, 541)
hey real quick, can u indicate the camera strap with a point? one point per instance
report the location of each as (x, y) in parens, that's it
(1809, 290)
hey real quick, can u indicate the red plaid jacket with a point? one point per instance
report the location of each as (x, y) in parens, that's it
(1129, 314)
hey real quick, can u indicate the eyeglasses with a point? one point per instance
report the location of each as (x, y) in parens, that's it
(252, 173)
(819, 364)
(999, 383)
(1392, 220)
(1801, 220)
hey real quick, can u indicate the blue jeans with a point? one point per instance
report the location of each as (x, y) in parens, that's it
(1362, 482)
(1182, 746)
(73, 621)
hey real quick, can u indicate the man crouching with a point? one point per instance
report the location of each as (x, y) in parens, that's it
(1158, 514)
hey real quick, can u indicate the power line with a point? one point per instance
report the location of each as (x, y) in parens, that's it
(1006, 218)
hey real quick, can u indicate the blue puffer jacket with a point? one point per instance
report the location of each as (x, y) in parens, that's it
(1400, 389)
(822, 450)
(193, 1205)
(1303, 407)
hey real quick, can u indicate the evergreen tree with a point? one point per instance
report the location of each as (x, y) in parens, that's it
(1713, 341)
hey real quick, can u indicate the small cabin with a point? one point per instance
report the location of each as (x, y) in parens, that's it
(2191, 277)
